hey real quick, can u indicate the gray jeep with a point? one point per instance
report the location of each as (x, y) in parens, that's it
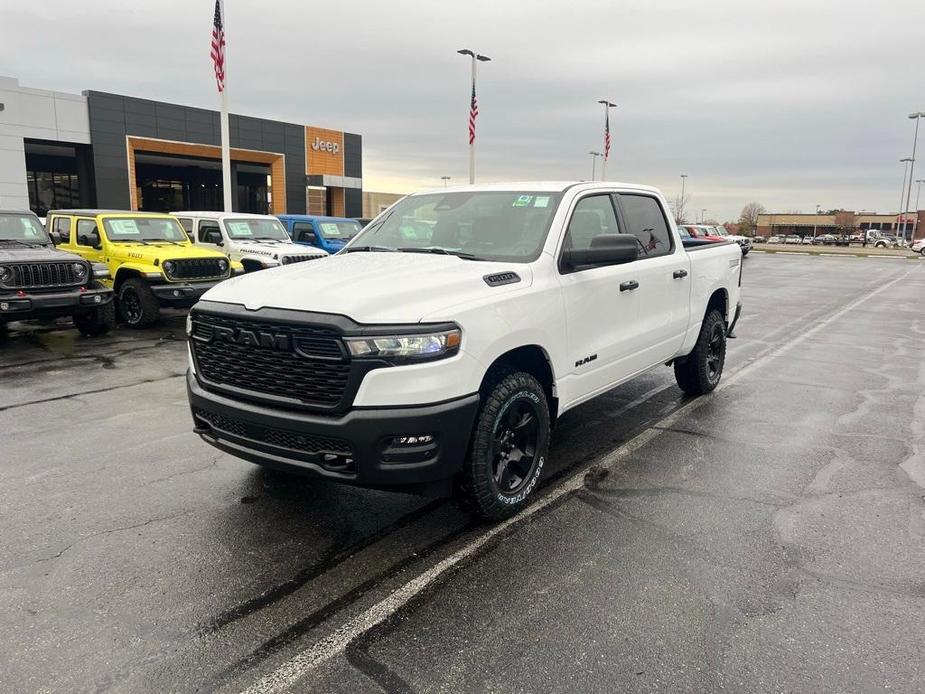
(39, 281)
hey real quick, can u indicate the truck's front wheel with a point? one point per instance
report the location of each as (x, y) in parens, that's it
(509, 446)
(137, 304)
(699, 372)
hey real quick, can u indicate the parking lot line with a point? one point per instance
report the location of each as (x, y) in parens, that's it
(289, 672)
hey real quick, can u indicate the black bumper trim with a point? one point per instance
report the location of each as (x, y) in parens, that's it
(366, 431)
(181, 294)
(53, 304)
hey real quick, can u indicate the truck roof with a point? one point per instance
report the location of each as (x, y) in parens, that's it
(94, 213)
(212, 214)
(540, 186)
(320, 217)
(17, 212)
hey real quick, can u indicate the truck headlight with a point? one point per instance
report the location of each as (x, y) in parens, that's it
(421, 346)
(80, 272)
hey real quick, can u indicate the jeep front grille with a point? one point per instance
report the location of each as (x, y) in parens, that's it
(43, 275)
(312, 371)
(289, 259)
(197, 269)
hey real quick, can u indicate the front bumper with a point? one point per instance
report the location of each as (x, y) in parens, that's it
(359, 447)
(25, 305)
(181, 294)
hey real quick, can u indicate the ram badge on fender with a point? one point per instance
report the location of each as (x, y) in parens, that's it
(434, 352)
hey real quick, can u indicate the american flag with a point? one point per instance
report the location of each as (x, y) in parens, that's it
(217, 52)
(473, 112)
(606, 134)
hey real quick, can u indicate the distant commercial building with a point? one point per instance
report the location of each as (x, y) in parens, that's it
(841, 223)
(95, 149)
(374, 203)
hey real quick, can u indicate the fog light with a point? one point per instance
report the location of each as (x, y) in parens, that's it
(176, 292)
(409, 448)
(4, 306)
(412, 440)
(97, 299)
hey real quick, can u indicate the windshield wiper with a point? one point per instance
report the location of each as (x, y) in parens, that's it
(27, 244)
(369, 249)
(441, 251)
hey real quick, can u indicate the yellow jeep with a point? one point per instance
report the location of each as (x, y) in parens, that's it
(150, 258)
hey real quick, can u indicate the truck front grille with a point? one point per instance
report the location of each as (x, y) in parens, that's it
(43, 275)
(299, 364)
(289, 259)
(197, 269)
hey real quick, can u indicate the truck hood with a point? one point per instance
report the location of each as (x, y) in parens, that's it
(14, 253)
(371, 287)
(160, 252)
(268, 250)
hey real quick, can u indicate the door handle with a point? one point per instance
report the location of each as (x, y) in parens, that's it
(629, 286)
(679, 274)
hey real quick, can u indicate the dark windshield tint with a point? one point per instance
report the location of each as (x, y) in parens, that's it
(14, 227)
(144, 229)
(256, 229)
(488, 225)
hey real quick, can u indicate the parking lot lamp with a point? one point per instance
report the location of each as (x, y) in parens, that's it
(594, 156)
(902, 192)
(703, 213)
(445, 180)
(918, 192)
(473, 108)
(915, 140)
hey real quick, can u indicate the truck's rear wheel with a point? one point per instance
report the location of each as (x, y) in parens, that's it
(138, 306)
(99, 321)
(509, 446)
(699, 372)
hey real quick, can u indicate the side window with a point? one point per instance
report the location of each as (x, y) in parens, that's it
(87, 233)
(593, 216)
(187, 224)
(646, 221)
(209, 232)
(304, 232)
(62, 229)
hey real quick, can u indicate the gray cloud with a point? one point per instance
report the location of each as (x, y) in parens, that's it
(788, 103)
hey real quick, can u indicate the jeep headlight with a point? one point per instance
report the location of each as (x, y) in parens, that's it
(433, 345)
(6, 274)
(169, 266)
(285, 260)
(80, 272)
(223, 266)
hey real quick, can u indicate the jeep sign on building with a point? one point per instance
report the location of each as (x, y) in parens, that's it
(96, 149)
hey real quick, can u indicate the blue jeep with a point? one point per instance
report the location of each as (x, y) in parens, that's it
(328, 233)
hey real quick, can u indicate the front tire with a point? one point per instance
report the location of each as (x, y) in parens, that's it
(138, 306)
(510, 442)
(699, 372)
(97, 322)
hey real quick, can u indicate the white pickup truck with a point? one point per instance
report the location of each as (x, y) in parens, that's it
(434, 353)
(257, 241)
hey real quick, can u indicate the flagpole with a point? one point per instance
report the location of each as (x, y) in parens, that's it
(476, 57)
(607, 106)
(226, 147)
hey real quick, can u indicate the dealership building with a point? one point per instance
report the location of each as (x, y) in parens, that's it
(95, 149)
(846, 221)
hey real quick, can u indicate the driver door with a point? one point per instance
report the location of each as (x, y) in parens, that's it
(602, 307)
(85, 236)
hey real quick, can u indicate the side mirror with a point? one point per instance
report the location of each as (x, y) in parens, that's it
(606, 249)
(56, 237)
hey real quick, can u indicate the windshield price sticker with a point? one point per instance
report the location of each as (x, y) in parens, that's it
(330, 229)
(124, 226)
(541, 201)
(523, 201)
(239, 228)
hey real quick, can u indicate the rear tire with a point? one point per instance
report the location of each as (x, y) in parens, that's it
(508, 448)
(138, 306)
(97, 322)
(700, 371)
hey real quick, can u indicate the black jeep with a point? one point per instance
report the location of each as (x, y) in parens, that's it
(38, 281)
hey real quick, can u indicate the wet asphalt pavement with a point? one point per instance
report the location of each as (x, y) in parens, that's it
(769, 537)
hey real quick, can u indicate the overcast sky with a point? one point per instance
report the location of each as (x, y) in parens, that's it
(791, 104)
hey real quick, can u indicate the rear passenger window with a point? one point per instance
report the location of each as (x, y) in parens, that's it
(646, 221)
(593, 216)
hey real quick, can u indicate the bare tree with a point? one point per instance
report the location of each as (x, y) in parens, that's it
(678, 206)
(748, 220)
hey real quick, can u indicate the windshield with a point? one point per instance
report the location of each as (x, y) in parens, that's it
(145, 229)
(483, 225)
(343, 231)
(22, 227)
(685, 234)
(256, 230)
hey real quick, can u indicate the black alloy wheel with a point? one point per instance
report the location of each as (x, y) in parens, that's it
(716, 351)
(514, 446)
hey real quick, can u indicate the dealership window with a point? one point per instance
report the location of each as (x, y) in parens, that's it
(644, 217)
(52, 175)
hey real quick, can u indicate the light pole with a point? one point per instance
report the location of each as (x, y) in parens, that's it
(703, 213)
(902, 192)
(446, 180)
(680, 210)
(594, 156)
(915, 140)
(473, 108)
(607, 106)
(918, 192)
(816, 221)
